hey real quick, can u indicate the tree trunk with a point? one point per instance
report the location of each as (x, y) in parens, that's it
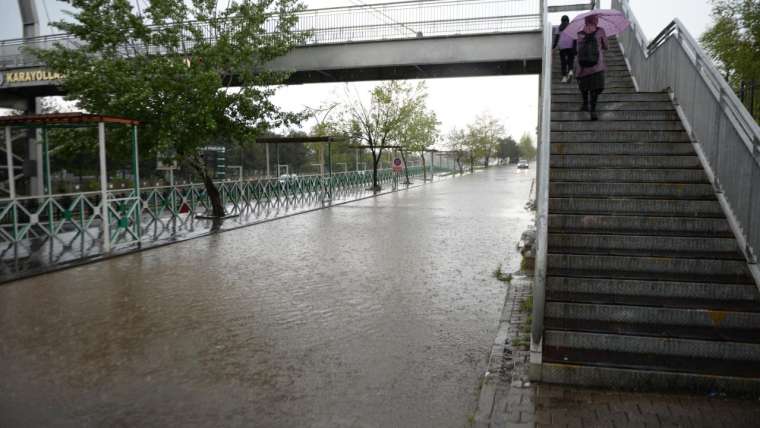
(214, 196)
(459, 164)
(406, 170)
(485, 162)
(375, 161)
(472, 164)
(424, 168)
(217, 208)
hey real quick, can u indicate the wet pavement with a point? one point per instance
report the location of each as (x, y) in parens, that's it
(375, 313)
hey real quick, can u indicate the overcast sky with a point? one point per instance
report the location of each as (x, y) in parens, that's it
(513, 99)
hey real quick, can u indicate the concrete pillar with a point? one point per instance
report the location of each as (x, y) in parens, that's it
(29, 19)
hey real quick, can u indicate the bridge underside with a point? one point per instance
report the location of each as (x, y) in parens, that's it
(434, 57)
(422, 71)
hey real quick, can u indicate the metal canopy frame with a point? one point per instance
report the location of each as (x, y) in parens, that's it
(329, 139)
(76, 120)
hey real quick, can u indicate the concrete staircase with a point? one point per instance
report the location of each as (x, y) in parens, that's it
(646, 287)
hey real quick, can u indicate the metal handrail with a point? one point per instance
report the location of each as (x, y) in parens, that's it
(725, 135)
(379, 12)
(542, 197)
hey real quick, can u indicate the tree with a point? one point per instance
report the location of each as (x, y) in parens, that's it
(734, 40)
(166, 64)
(527, 148)
(380, 122)
(420, 131)
(508, 150)
(483, 137)
(457, 142)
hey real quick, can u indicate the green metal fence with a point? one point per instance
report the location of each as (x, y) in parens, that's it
(67, 216)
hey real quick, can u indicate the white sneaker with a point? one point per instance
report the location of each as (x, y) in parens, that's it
(570, 75)
(564, 79)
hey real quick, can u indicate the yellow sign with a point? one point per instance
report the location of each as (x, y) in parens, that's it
(31, 76)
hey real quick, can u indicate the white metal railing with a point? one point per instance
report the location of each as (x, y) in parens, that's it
(542, 195)
(384, 21)
(726, 137)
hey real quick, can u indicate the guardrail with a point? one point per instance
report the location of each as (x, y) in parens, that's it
(386, 21)
(725, 136)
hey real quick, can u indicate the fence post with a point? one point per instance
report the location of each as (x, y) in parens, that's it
(104, 219)
(136, 172)
(11, 178)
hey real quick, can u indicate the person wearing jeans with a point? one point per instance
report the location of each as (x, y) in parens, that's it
(566, 49)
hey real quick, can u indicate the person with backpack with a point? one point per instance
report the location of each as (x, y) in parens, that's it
(566, 49)
(590, 65)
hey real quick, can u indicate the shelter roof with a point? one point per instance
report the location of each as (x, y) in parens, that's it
(64, 119)
(296, 140)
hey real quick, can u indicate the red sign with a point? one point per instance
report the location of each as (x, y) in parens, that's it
(397, 165)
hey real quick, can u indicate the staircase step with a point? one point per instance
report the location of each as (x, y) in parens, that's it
(608, 84)
(609, 76)
(633, 116)
(639, 97)
(656, 246)
(593, 368)
(657, 302)
(615, 125)
(621, 148)
(694, 318)
(654, 330)
(616, 69)
(618, 161)
(574, 92)
(640, 207)
(690, 348)
(653, 288)
(722, 270)
(561, 89)
(560, 189)
(572, 104)
(642, 225)
(622, 175)
(620, 137)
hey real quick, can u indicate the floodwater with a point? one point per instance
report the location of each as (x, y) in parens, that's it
(377, 313)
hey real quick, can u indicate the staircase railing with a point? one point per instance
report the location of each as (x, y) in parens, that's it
(542, 196)
(725, 136)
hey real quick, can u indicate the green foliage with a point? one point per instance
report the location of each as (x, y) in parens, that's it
(483, 137)
(166, 67)
(734, 39)
(501, 275)
(420, 131)
(527, 148)
(734, 43)
(394, 109)
(508, 149)
(456, 140)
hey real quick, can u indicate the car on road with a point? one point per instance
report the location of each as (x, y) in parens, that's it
(522, 164)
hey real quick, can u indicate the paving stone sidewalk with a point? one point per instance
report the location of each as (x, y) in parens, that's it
(562, 406)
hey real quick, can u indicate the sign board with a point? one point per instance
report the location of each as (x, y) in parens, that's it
(29, 77)
(397, 165)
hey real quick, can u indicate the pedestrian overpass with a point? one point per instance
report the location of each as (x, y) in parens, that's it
(648, 221)
(399, 40)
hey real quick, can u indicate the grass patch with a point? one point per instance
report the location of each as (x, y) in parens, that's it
(501, 275)
(527, 264)
(526, 305)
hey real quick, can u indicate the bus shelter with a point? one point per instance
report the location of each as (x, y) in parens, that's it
(118, 212)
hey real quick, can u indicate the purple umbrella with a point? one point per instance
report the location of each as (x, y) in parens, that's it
(612, 21)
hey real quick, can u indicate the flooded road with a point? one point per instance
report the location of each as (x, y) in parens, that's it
(377, 313)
